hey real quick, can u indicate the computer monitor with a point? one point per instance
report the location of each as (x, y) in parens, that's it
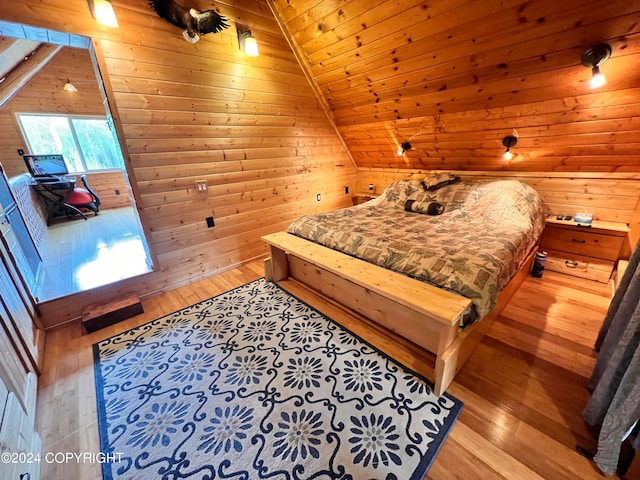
(45, 165)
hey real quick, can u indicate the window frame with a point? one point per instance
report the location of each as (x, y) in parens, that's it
(74, 135)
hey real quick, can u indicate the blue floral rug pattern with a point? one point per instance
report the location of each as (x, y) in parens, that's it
(256, 384)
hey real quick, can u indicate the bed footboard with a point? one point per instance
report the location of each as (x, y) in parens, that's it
(422, 313)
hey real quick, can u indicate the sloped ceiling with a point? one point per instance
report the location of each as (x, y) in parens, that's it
(453, 77)
(25, 51)
(13, 51)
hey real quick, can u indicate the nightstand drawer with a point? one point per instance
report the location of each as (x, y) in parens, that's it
(582, 242)
(579, 266)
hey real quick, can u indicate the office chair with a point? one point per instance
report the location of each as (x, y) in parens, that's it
(82, 199)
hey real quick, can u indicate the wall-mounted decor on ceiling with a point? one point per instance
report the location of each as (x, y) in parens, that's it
(194, 22)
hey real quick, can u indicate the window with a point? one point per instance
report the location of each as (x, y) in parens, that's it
(87, 143)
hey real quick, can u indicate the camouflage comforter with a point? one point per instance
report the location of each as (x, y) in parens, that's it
(473, 248)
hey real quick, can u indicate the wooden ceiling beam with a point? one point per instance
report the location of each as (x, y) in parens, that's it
(25, 71)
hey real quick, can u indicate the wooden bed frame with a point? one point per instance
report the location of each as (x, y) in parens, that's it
(426, 315)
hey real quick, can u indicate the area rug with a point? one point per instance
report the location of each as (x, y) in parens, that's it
(256, 384)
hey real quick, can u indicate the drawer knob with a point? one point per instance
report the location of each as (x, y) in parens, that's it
(578, 241)
(570, 264)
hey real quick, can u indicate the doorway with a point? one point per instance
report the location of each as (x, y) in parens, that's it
(77, 254)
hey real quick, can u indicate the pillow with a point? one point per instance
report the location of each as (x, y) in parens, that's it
(439, 180)
(430, 208)
(418, 177)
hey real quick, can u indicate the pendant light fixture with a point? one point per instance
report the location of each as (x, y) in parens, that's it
(593, 58)
(69, 87)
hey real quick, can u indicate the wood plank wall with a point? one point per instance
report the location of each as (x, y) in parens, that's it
(611, 197)
(251, 128)
(111, 187)
(453, 77)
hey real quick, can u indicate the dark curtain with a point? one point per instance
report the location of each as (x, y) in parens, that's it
(615, 403)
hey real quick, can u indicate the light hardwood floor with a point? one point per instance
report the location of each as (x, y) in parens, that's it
(79, 255)
(523, 388)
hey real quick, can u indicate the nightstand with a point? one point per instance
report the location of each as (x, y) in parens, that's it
(359, 198)
(587, 252)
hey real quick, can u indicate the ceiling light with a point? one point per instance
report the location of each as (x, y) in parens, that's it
(69, 87)
(403, 148)
(509, 141)
(246, 42)
(103, 12)
(593, 58)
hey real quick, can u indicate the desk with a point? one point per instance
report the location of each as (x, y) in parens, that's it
(54, 193)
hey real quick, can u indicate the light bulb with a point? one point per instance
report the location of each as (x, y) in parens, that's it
(598, 79)
(251, 47)
(508, 155)
(104, 13)
(69, 87)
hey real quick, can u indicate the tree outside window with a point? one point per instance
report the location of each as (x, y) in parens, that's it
(87, 143)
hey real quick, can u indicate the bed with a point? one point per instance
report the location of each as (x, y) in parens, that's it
(434, 260)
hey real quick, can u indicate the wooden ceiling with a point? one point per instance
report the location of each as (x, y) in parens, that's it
(453, 77)
(25, 51)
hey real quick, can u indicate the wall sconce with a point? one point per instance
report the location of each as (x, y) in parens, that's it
(103, 12)
(593, 58)
(246, 42)
(403, 148)
(509, 141)
(69, 87)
